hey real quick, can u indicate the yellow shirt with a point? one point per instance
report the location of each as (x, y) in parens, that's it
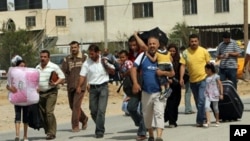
(195, 61)
(163, 58)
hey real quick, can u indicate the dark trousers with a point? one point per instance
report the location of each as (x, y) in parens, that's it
(137, 117)
(75, 101)
(47, 104)
(230, 74)
(173, 102)
(98, 100)
(18, 113)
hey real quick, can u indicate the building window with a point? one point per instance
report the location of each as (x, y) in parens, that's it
(221, 6)
(142, 10)
(189, 7)
(28, 4)
(30, 21)
(3, 5)
(60, 21)
(94, 13)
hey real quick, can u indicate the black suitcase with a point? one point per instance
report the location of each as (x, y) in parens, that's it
(231, 107)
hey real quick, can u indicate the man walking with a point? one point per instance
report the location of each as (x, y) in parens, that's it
(71, 67)
(48, 92)
(194, 58)
(96, 71)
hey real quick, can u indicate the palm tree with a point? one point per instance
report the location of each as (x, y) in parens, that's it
(180, 34)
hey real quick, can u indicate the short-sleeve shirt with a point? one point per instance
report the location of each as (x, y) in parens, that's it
(94, 72)
(150, 82)
(45, 75)
(231, 61)
(212, 91)
(163, 58)
(195, 61)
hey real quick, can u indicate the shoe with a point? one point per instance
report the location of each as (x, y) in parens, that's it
(172, 126)
(99, 136)
(159, 139)
(141, 137)
(50, 137)
(190, 112)
(151, 139)
(217, 124)
(166, 94)
(75, 130)
(199, 125)
(25, 140)
(205, 125)
(17, 139)
(85, 123)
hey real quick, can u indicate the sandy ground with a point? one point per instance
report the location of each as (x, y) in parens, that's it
(63, 113)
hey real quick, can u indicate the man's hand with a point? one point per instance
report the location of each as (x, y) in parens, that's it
(182, 82)
(136, 88)
(78, 90)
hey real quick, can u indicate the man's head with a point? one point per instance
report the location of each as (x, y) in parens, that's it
(94, 52)
(74, 48)
(44, 57)
(105, 51)
(193, 41)
(153, 45)
(132, 44)
(226, 37)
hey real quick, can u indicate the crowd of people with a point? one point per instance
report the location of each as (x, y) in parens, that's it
(158, 95)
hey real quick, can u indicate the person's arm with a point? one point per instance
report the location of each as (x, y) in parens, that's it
(11, 88)
(182, 72)
(80, 83)
(246, 61)
(136, 86)
(142, 45)
(153, 59)
(220, 86)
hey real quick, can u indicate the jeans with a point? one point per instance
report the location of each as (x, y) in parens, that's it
(18, 113)
(230, 74)
(188, 92)
(198, 89)
(98, 99)
(137, 118)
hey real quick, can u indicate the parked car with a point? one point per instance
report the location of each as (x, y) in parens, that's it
(57, 58)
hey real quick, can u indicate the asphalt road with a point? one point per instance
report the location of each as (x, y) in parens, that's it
(121, 128)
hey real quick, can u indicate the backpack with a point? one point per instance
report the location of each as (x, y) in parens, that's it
(127, 83)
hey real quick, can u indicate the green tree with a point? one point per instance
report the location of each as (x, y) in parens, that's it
(180, 33)
(17, 42)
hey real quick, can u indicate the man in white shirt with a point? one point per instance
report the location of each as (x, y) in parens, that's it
(95, 71)
(48, 92)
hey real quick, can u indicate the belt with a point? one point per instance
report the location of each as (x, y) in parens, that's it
(50, 90)
(98, 85)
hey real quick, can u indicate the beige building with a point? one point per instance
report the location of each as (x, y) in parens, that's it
(84, 19)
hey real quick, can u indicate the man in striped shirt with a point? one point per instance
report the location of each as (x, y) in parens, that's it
(48, 92)
(227, 52)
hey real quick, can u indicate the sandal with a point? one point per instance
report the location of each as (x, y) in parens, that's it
(141, 137)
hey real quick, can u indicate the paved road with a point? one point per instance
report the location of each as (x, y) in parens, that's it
(121, 128)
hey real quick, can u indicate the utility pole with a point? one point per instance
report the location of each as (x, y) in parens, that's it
(105, 25)
(245, 23)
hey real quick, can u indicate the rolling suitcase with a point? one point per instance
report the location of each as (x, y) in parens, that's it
(231, 107)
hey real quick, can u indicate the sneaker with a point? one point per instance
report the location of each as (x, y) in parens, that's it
(159, 139)
(141, 137)
(16, 139)
(166, 93)
(205, 125)
(217, 124)
(151, 139)
(25, 140)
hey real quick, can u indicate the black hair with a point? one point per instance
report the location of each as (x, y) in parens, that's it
(18, 62)
(123, 52)
(226, 35)
(211, 67)
(94, 48)
(45, 51)
(73, 42)
(193, 36)
(131, 38)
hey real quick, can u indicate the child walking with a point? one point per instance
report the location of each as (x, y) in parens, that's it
(213, 93)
